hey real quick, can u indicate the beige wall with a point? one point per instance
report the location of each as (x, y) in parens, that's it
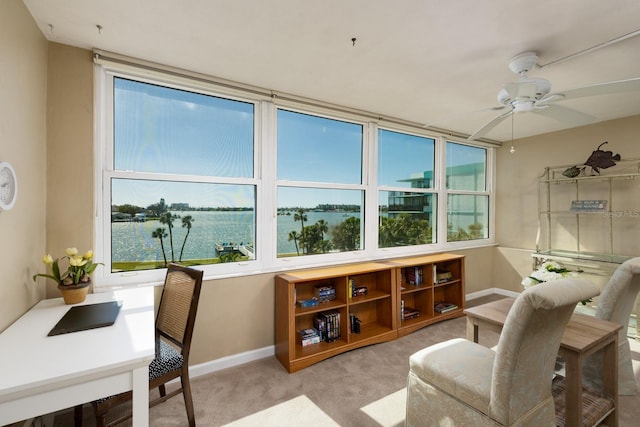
(23, 82)
(70, 179)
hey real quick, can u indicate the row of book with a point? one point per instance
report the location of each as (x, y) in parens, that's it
(413, 276)
(327, 328)
(327, 323)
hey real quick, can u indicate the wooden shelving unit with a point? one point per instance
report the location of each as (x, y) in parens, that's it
(424, 296)
(378, 310)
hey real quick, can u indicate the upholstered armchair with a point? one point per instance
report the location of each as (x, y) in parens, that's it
(459, 382)
(615, 305)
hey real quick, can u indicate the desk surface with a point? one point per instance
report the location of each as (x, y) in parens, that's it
(31, 361)
(581, 334)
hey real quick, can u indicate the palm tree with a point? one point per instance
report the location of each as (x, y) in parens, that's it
(160, 234)
(323, 227)
(168, 218)
(186, 222)
(300, 216)
(293, 235)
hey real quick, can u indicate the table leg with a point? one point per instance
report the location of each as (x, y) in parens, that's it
(140, 404)
(573, 388)
(472, 329)
(610, 379)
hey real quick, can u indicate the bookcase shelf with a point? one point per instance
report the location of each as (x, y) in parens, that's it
(378, 311)
(423, 297)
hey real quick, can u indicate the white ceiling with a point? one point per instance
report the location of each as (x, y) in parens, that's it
(425, 61)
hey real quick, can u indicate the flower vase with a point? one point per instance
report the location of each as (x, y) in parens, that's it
(74, 294)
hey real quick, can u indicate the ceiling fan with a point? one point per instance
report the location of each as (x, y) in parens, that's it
(533, 94)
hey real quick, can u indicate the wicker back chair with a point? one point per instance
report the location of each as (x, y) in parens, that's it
(174, 328)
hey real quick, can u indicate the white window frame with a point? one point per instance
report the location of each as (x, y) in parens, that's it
(265, 178)
(105, 172)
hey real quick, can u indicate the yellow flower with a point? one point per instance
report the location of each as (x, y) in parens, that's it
(78, 270)
(71, 251)
(77, 261)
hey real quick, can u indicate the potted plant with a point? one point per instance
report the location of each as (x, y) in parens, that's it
(73, 283)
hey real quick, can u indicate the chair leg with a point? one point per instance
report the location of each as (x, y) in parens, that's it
(101, 416)
(77, 416)
(163, 390)
(188, 400)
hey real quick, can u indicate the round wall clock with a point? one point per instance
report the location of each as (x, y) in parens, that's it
(8, 186)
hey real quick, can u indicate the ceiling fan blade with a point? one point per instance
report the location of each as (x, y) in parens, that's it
(520, 89)
(450, 119)
(489, 126)
(598, 89)
(566, 115)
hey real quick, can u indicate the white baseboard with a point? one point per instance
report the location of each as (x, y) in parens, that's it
(231, 361)
(261, 353)
(491, 291)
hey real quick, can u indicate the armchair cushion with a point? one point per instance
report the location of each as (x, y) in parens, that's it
(447, 365)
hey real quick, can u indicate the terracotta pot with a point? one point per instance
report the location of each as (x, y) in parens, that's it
(73, 294)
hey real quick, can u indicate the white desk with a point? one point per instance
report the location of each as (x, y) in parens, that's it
(41, 374)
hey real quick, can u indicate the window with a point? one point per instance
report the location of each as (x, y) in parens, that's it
(236, 182)
(407, 203)
(467, 198)
(181, 178)
(319, 185)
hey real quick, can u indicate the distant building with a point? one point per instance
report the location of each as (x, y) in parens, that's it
(463, 177)
(120, 217)
(179, 206)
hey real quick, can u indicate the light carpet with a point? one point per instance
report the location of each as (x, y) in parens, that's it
(300, 411)
(388, 411)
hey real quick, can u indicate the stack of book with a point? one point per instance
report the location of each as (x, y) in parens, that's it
(407, 313)
(325, 293)
(328, 325)
(309, 336)
(443, 306)
(410, 313)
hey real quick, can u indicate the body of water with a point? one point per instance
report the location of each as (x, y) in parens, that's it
(133, 241)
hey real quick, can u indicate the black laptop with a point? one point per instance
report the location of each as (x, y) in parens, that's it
(91, 316)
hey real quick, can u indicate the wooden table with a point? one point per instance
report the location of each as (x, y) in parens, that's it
(583, 336)
(41, 374)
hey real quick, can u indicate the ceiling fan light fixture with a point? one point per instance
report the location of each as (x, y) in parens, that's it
(522, 106)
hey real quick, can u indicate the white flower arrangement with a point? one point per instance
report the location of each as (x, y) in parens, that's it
(548, 271)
